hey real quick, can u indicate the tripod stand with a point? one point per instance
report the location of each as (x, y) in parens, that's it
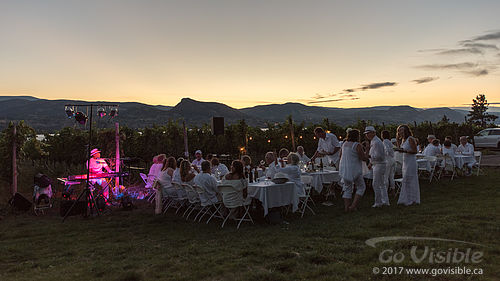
(89, 199)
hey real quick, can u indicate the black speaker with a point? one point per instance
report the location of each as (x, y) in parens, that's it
(20, 203)
(218, 126)
(80, 208)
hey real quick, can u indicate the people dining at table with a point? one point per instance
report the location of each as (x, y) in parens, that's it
(328, 148)
(466, 149)
(410, 188)
(208, 183)
(272, 164)
(198, 159)
(433, 149)
(376, 154)
(218, 169)
(390, 165)
(302, 155)
(351, 171)
(292, 170)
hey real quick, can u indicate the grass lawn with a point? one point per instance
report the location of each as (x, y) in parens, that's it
(135, 245)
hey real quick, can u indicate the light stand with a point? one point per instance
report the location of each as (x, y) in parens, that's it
(86, 193)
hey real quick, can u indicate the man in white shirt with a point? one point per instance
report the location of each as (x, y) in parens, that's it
(432, 149)
(328, 147)
(219, 169)
(302, 156)
(467, 149)
(206, 181)
(272, 168)
(376, 153)
(198, 160)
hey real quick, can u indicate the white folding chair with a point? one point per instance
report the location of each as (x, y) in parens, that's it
(306, 180)
(180, 200)
(477, 156)
(235, 205)
(193, 199)
(149, 190)
(212, 209)
(448, 167)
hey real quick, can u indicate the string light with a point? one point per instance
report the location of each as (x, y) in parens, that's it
(300, 137)
(269, 141)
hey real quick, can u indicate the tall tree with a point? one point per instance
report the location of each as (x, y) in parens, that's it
(478, 114)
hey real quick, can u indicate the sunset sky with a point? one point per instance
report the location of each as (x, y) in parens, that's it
(243, 53)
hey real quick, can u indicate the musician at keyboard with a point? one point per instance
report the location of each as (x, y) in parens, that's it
(98, 166)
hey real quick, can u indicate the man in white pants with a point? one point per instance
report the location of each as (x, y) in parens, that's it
(376, 153)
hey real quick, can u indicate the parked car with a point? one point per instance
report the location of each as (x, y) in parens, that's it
(488, 138)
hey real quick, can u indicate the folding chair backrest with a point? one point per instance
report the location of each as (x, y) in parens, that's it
(227, 188)
(192, 195)
(478, 155)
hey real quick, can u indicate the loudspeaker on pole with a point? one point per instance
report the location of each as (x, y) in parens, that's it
(217, 126)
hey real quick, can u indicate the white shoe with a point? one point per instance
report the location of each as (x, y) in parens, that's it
(376, 205)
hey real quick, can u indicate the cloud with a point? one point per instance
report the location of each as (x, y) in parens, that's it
(377, 85)
(352, 90)
(490, 36)
(318, 97)
(463, 65)
(477, 72)
(333, 100)
(425, 80)
(463, 51)
(480, 45)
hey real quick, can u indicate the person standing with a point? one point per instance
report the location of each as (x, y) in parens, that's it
(351, 171)
(328, 147)
(376, 153)
(410, 189)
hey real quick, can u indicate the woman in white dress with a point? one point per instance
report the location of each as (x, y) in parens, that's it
(351, 171)
(235, 178)
(389, 158)
(410, 189)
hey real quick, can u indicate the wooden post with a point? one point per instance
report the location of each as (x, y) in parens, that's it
(14, 161)
(186, 151)
(290, 120)
(117, 157)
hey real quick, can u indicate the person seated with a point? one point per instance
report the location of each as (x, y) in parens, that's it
(467, 149)
(302, 156)
(432, 149)
(166, 176)
(219, 170)
(448, 150)
(236, 178)
(187, 173)
(199, 159)
(177, 172)
(282, 154)
(247, 163)
(155, 169)
(270, 171)
(292, 170)
(207, 181)
(453, 146)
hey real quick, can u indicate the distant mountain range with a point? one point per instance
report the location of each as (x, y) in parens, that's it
(48, 115)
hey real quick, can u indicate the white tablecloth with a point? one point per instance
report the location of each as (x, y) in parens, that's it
(318, 178)
(274, 195)
(461, 160)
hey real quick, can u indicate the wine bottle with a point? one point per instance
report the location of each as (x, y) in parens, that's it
(321, 164)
